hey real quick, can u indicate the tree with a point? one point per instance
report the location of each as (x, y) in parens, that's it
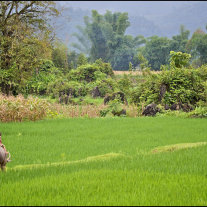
(59, 56)
(142, 62)
(125, 52)
(106, 34)
(24, 40)
(197, 47)
(179, 41)
(85, 44)
(72, 58)
(82, 60)
(156, 51)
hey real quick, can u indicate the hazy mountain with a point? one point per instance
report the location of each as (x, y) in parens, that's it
(65, 24)
(193, 16)
(133, 7)
(72, 16)
(139, 25)
(148, 18)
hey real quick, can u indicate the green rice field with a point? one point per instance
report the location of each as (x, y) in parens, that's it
(106, 161)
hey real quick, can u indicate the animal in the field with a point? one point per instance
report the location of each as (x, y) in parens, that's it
(3, 156)
(3, 159)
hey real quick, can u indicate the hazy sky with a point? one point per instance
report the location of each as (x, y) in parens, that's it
(143, 7)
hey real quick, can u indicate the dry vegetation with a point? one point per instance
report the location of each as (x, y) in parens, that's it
(20, 109)
(72, 111)
(132, 72)
(89, 111)
(174, 147)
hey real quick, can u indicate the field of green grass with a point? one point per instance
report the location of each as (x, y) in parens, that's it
(106, 161)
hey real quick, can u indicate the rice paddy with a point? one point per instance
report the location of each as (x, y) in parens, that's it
(106, 161)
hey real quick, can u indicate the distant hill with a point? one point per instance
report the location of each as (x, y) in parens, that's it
(70, 17)
(141, 26)
(192, 16)
(65, 24)
(147, 18)
(135, 8)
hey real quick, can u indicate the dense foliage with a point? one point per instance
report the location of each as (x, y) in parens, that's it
(179, 86)
(24, 40)
(33, 61)
(82, 80)
(106, 34)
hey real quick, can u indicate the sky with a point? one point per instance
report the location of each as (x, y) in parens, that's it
(143, 7)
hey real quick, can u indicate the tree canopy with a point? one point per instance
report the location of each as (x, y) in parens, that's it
(24, 39)
(108, 41)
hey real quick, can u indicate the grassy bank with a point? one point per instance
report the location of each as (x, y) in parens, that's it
(106, 161)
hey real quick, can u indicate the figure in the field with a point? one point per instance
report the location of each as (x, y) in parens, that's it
(3, 155)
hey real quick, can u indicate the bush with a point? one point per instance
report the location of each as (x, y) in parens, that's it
(205, 90)
(63, 89)
(179, 59)
(91, 72)
(173, 86)
(107, 85)
(199, 112)
(182, 86)
(83, 73)
(46, 74)
(124, 84)
(114, 109)
(146, 91)
(104, 67)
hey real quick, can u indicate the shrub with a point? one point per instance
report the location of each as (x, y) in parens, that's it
(173, 85)
(106, 85)
(199, 112)
(62, 89)
(83, 73)
(147, 91)
(46, 74)
(104, 67)
(114, 109)
(124, 84)
(205, 90)
(91, 72)
(179, 59)
(99, 75)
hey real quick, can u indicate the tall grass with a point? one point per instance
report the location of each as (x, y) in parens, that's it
(71, 111)
(21, 109)
(90, 111)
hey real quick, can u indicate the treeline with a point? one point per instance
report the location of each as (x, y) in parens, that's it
(104, 37)
(33, 61)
